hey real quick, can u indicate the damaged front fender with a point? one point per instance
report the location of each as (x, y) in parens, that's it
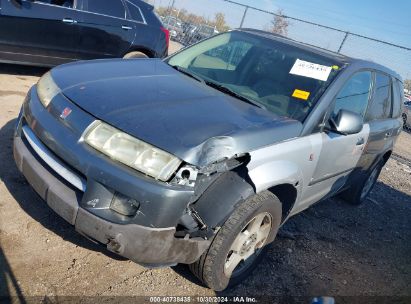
(216, 149)
(219, 200)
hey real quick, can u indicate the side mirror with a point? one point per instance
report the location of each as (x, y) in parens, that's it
(346, 123)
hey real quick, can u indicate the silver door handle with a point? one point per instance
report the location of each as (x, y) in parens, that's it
(69, 20)
(124, 27)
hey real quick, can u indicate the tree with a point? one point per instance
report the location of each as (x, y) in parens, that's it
(279, 24)
(220, 22)
(407, 84)
(162, 11)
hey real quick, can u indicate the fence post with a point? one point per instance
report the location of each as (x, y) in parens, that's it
(245, 13)
(343, 41)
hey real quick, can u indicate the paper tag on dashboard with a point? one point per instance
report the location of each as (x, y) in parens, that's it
(311, 70)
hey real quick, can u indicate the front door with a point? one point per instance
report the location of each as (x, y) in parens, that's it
(340, 154)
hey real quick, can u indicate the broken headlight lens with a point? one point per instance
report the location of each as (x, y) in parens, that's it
(47, 89)
(131, 151)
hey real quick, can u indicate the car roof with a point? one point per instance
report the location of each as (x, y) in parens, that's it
(342, 59)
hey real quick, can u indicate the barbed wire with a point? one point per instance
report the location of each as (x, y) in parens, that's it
(317, 24)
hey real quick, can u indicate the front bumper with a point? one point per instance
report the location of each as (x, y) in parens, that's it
(79, 186)
(147, 246)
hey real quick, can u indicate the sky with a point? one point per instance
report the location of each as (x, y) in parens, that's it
(384, 20)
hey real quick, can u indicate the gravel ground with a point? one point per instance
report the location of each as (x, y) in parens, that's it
(330, 249)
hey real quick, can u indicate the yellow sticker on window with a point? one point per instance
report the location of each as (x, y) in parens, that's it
(301, 94)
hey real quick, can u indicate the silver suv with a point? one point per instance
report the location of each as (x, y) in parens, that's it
(201, 157)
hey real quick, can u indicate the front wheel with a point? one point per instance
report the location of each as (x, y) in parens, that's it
(240, 243)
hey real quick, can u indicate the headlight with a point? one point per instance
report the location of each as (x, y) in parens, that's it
(131, 151)
(47, 89)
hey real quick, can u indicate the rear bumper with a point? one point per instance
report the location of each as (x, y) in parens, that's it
(143, 245)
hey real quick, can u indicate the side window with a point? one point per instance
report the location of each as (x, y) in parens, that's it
(135, 12)
(224, 57)
(381, 104)
(112, 8)
(64, 3)
(398, 97)
(355, 94)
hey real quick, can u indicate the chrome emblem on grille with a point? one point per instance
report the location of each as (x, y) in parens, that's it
(66, 112)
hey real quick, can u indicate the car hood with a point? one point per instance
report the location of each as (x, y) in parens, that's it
(148, 99)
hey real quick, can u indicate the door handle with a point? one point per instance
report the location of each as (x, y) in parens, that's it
(388, 134)
(69, 21)
(125, 27)
(360, 141)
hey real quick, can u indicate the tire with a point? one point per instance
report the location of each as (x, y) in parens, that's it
(357, 194)
(404, 119)
(135, 55)
(212, 269)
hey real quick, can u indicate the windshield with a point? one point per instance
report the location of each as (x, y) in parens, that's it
(282, 78)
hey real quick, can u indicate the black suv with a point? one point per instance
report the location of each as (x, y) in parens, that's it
(51, 32)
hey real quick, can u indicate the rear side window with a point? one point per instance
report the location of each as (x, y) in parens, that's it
(355, 94)
(135, 12)
(381, 105)
(398, 97)
(64, 3)
(112, 8)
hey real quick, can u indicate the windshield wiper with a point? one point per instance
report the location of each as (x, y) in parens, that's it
(188, 73)
(217, 86)
(232, 93)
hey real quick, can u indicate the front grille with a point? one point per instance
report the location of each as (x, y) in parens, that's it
(52, 161)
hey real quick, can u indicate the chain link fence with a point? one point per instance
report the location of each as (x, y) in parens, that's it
(237, 15)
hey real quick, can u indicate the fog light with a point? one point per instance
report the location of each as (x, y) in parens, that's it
(124, 205)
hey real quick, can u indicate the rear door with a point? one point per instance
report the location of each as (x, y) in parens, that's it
(38, 32)
(104, 30)
(407, 113)
(383, 128)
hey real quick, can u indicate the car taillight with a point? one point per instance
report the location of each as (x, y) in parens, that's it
(167, 32)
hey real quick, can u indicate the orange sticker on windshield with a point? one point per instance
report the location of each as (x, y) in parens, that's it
(301, 94)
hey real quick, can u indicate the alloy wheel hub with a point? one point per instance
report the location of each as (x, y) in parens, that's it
(249, 244)
(246, 246)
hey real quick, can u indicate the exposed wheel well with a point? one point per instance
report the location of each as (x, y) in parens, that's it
(287, 194)
(386, 156)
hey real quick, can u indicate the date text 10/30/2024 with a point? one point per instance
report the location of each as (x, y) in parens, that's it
(202, 299)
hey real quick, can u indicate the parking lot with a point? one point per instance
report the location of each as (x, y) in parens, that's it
(330, 249)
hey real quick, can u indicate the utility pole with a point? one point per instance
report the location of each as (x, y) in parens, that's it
(172, 7)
